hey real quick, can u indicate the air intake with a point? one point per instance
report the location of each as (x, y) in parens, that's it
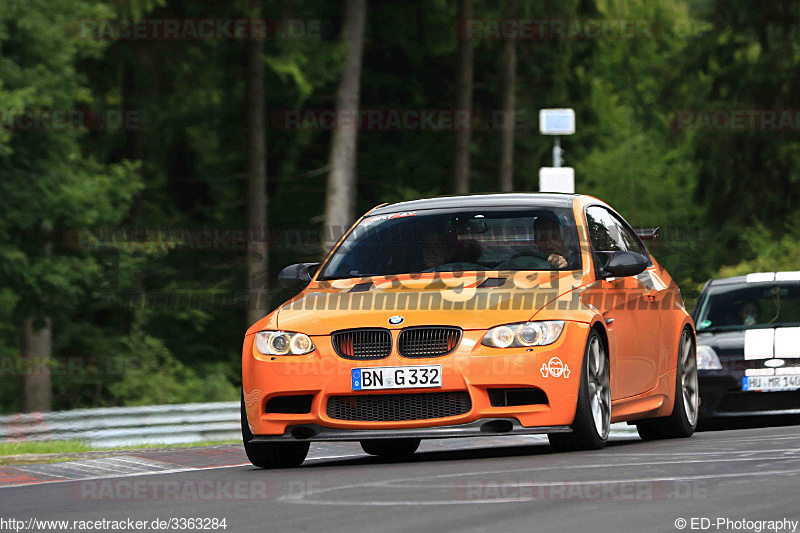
(428, 341)
(396, 407)
(364, 344)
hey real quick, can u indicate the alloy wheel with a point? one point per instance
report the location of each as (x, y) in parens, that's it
(599, 388)
(688, 377)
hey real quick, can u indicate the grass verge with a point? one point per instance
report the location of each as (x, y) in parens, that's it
(26, 452)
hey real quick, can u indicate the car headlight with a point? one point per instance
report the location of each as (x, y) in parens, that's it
(539, 333)
(283, 343)
(707, 358)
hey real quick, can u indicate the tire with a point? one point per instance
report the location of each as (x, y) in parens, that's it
(593, 411)
(683, 420)
(271, 454)
(391, 448)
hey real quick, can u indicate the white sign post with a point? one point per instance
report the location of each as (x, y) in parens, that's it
(557, 178)
(561, 179)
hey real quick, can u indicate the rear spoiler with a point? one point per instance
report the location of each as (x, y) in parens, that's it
(648, 234)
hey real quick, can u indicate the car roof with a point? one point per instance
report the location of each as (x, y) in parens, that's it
(758, 277)
(481, 200)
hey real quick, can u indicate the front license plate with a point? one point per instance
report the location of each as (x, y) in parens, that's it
(396, 377)
(770, 383)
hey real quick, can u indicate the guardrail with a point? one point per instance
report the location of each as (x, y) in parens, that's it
(151, 424)
(124, 426)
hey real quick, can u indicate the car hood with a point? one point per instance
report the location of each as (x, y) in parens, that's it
(738, 350)
(469, 302)
(724, 343)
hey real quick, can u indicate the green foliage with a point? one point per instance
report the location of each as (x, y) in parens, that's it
(8, 450)
(153, 376)
(636, 159)
(23, 447)
(768, 250)
(743, 64)
(50, 186)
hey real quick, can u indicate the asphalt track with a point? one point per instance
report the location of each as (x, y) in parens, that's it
(506, 484)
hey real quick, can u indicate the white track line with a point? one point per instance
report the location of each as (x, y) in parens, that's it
(378, 503)
(389, 483)
(133, 474)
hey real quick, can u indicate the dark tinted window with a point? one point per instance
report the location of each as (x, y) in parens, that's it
(440, 240)
(750, 306)
(609, 234)
(631, 242)
(604, 231)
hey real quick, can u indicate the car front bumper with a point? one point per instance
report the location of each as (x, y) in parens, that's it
(485, 427)
(722, 397)
(472, 368)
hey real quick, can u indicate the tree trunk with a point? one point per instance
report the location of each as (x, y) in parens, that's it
(257, 251)
(134, 138)
(36, 345)
(37, 348)
(341, 190)
(509, 105)
(463, 102)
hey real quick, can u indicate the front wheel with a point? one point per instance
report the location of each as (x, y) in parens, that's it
(683, 420)
(271, 454)
(593, 412)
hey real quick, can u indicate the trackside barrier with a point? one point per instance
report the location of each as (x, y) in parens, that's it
(151, 424)
(123, 426)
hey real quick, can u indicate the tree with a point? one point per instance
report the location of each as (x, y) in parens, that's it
(49, 187)
(341, 190)
(508, 90)
(198, 152)
(463, 135)
(257, 259)
(744, 67)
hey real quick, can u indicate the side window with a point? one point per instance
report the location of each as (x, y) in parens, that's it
(631, 244)
(604, 232)
(609, 234)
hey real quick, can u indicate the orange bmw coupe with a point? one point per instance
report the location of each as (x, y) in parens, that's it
(464, 316)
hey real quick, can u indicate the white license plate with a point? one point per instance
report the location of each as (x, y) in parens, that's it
(396, 377)
(770, 383)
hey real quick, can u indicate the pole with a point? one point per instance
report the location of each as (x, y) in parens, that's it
(557, 152)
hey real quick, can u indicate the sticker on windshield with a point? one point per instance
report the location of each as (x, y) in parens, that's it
(391, 216)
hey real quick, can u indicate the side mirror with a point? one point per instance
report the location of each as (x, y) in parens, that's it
(297, 276)
(622, 264)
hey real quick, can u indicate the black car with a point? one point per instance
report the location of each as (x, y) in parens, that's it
(748, 345)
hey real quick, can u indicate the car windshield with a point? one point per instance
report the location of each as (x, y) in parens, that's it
(447, 240)
(748, 306)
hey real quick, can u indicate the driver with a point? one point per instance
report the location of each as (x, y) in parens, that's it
(750, 313)
(547, 232)
(436, 251)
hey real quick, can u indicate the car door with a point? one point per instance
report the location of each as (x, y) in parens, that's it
(655, 283)
(628, 307)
